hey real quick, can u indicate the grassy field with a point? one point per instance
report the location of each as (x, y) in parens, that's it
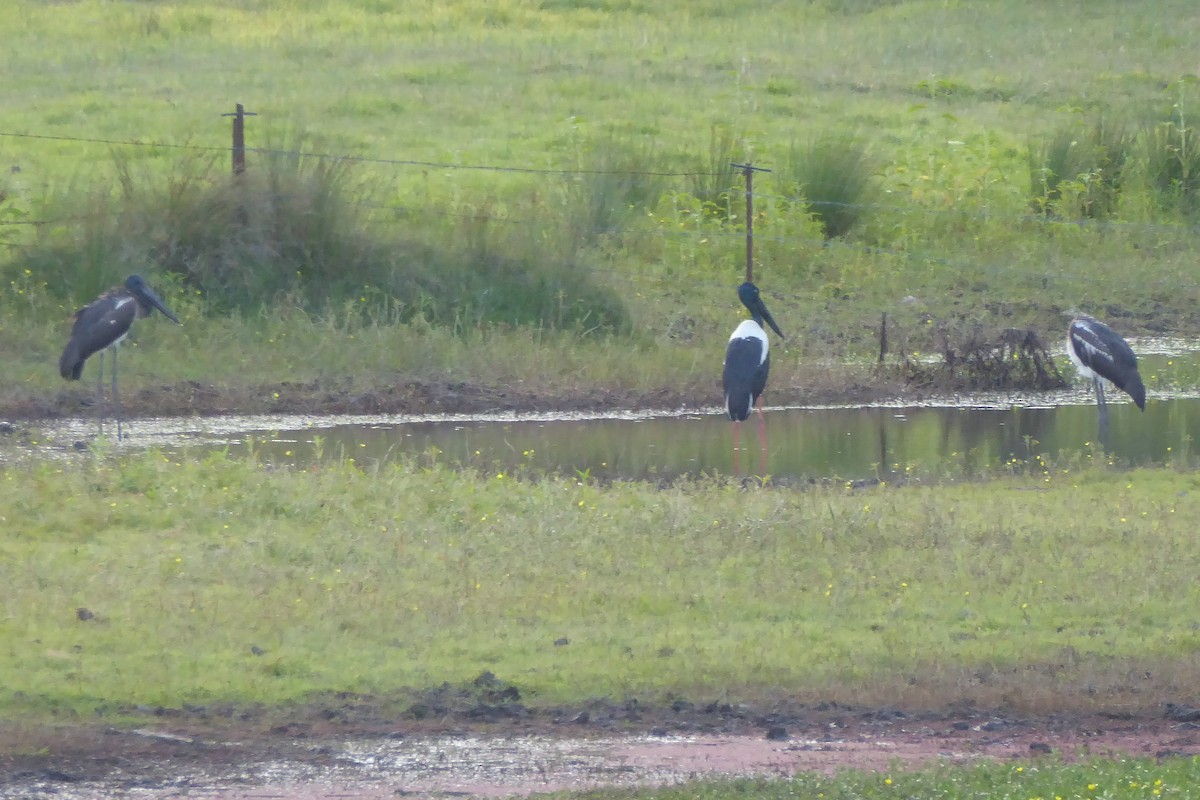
(538, 194)
(1127, 780)
(228, 580)
(629, 113)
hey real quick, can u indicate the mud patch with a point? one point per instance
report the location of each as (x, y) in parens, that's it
(405, 397)
(561, 751)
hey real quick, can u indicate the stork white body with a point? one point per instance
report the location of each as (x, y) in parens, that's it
(747, 363)
(749, 329)
(1083, 369)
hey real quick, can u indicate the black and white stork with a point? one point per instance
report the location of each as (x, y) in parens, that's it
(102, 324)
(1101, 354)
(747, 364)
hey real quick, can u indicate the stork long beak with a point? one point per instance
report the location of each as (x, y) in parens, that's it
(767, 318)
(158, 303)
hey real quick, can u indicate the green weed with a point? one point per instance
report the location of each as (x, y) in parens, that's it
(833, 173)
(295, 232)
(605, 133)
(1127, 779)
(1084, 165)
(392, 579)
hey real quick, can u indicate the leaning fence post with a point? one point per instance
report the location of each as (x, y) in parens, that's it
(749, 171)
(239, 137)
(239, 155)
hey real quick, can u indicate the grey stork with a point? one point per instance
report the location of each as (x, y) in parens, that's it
(1101, 354)
(747, 364)
(102, 324)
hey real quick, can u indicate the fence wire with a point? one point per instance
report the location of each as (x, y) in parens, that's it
(730, 234)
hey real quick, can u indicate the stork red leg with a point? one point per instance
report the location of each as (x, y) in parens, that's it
(736, 468)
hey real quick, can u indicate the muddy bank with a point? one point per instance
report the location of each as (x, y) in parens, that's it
(349, 749)
(192, 398)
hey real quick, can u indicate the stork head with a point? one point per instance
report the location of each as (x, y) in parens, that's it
(748, 294)
(1074, 313)
(137, 285)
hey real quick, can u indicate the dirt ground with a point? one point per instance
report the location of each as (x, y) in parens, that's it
(406, 397)
(351, 750)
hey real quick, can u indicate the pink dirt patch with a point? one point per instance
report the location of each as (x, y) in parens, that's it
(509, 766)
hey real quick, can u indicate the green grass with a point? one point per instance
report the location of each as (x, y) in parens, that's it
(361, 350)
(1067, 590)
(397, 578)
(635, 110)
(1124, 779)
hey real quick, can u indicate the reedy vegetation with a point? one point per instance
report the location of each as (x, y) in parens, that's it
(942, 113)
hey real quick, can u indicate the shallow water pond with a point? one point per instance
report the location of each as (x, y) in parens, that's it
(818, 442)
(949, 436)
(801, 442)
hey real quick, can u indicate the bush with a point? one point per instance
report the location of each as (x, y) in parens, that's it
(714, 177)
(1078, 174)
(302, 231)
(1171, 165)
(833, 173)
(614, 181)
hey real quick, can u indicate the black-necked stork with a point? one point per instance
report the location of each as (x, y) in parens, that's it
(1100, 353)
(102, 324)
(747, 364)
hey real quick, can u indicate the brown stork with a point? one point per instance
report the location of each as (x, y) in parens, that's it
(1101, 354)
(102, 324)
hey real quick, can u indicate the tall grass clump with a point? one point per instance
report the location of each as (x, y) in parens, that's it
(290, 228)
(79, 258)
(287, 229)
(1078, 174)
(614, 182)
(1171, 165)
(714, 177)
(481, 270)
(833, 173)
(305, 232)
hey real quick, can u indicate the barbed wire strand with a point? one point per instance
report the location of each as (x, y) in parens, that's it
(405, 162)
(734, 192)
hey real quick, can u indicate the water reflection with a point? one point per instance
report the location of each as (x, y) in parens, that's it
(950, 437)
(803, 442)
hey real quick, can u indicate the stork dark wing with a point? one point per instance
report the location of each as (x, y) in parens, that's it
(1105, 352)
(1100, 348)
(744, 376)
(97, 325)
(760, 377)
